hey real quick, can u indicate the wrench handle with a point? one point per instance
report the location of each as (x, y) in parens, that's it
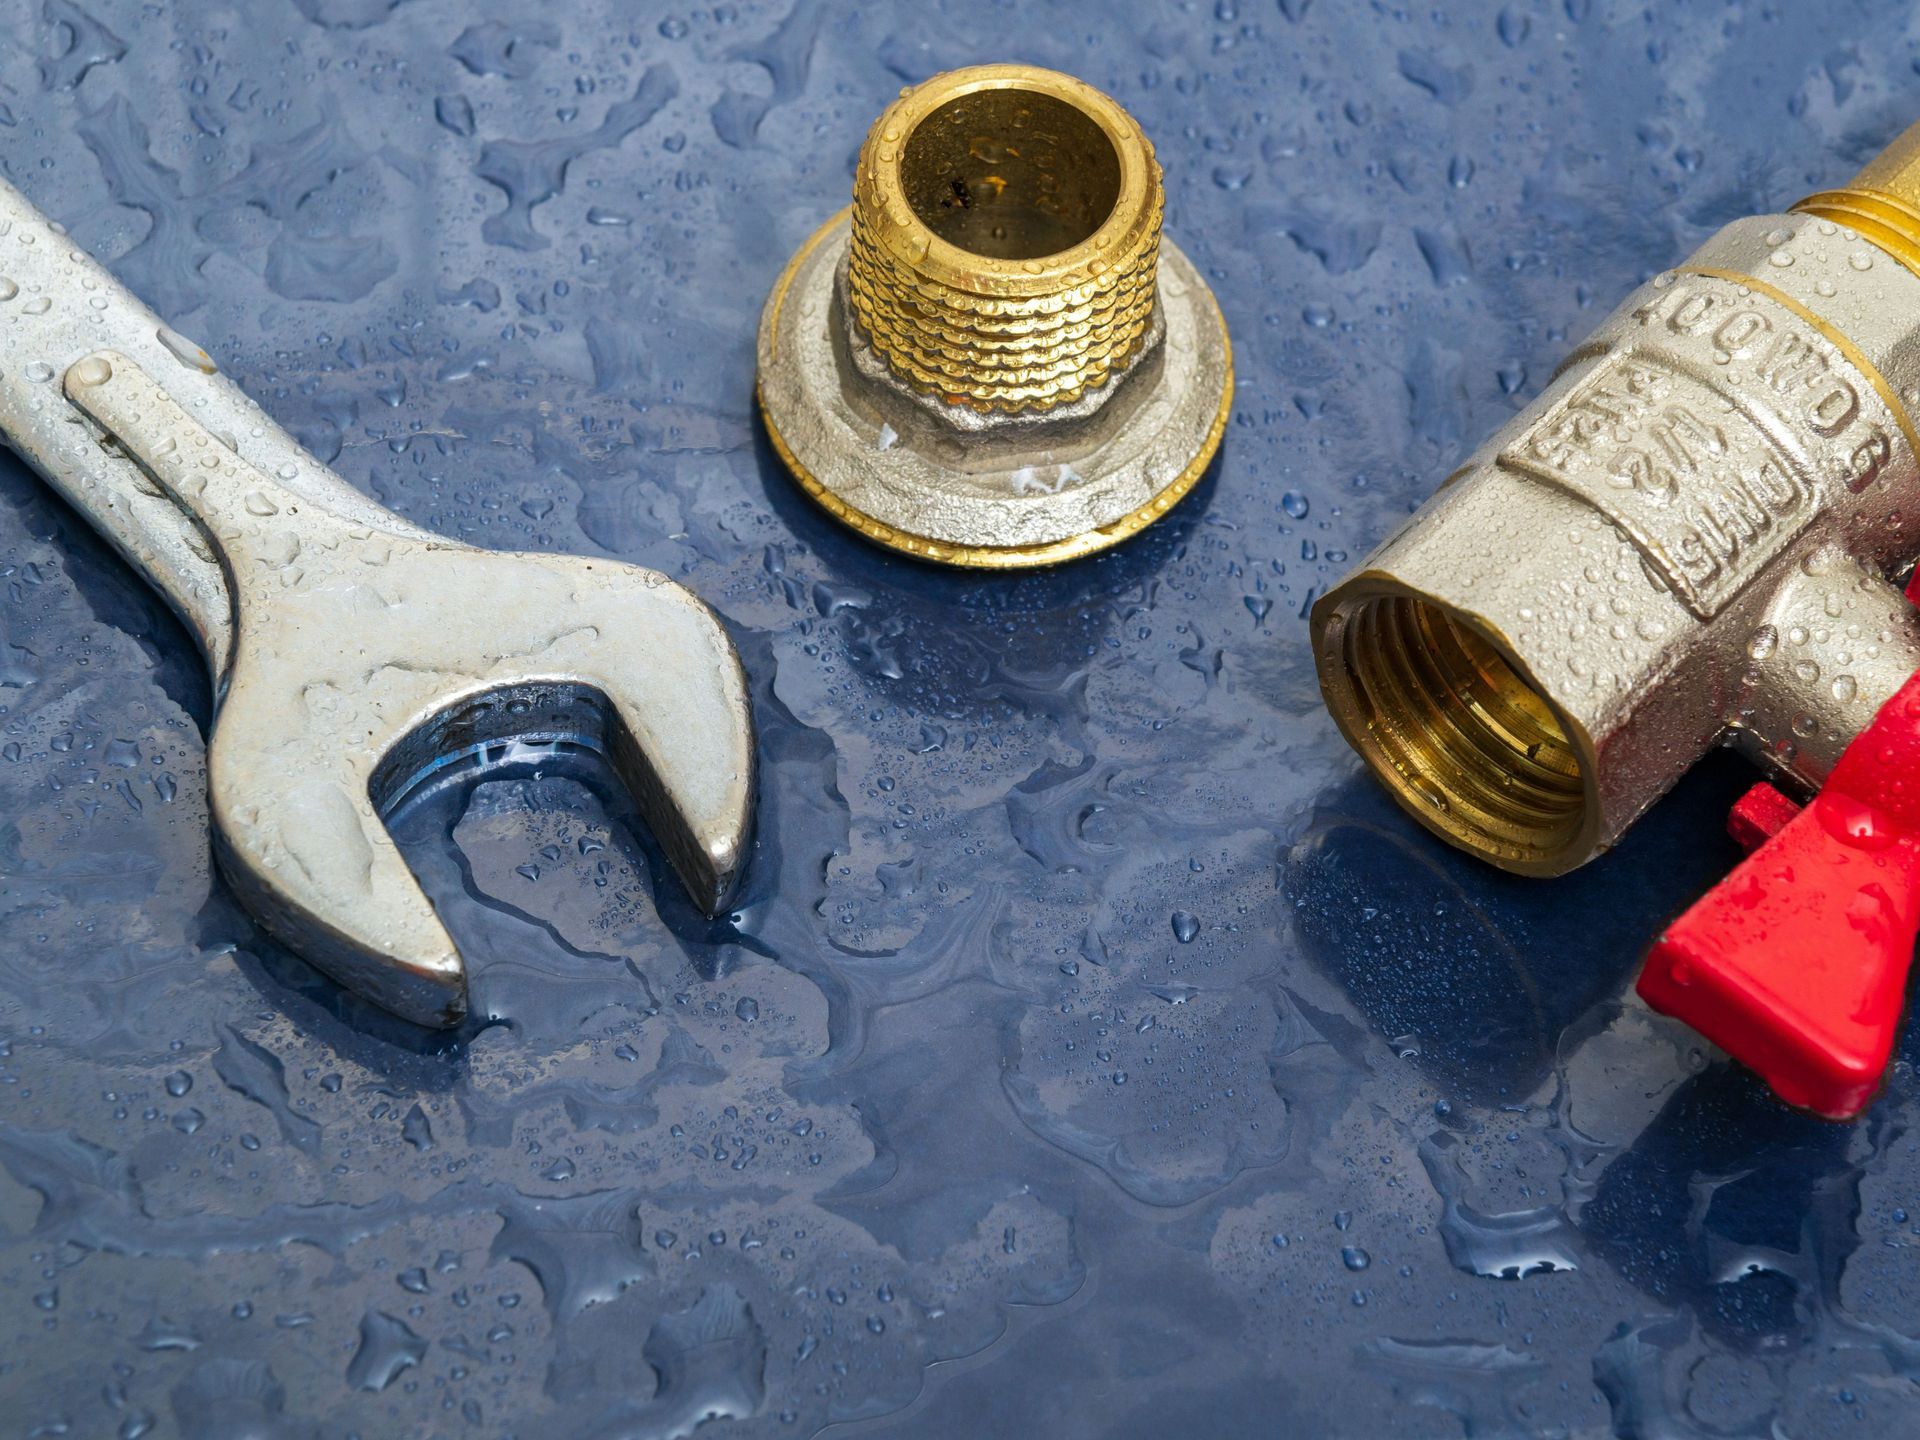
(57, 305)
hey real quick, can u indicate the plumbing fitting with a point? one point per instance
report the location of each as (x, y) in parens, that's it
(992, 359)
(1687, 539)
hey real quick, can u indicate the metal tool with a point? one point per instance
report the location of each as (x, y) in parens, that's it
(1693, 536)
(353, 653)
(992, 359)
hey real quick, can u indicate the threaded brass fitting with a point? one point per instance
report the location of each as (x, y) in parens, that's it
(991, 359)
(1006, 238)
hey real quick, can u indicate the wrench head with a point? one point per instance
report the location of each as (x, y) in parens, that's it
(364, 658)
(350, 685)
(396, 658)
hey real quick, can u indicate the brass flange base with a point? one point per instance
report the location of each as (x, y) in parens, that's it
(1008, 496)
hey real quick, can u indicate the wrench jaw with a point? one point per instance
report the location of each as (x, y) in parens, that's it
(677, 722)
(390, 947)
(707, 847)
(366, 657)
(298, 807)
(600, 655)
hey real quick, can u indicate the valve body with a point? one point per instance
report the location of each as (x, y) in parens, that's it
(1686, 539)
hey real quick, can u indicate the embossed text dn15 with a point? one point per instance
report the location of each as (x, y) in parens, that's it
(1710, 439)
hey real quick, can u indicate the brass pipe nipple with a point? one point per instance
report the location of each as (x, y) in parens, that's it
(991, 358)
(1005, 249)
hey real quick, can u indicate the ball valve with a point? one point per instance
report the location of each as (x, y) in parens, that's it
(1692, 537)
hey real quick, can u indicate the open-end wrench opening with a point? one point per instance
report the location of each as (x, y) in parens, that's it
(562, 715)
(558, 713)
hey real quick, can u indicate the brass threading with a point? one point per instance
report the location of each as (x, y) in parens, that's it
(1005, 241)
(1882, 203)
(1463, 741)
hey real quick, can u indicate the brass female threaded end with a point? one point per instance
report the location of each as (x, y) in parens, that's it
(1454, 730)
(1005, 243)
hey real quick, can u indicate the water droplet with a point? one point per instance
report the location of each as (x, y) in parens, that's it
(455, 113)
(94, 370)
(387, 1347)
(416, 1130)
(1853, 822)
(185, 351)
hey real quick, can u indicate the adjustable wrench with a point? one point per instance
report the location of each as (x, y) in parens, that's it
(353, 653)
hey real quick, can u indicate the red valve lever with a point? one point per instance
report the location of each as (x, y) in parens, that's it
(1796, 964)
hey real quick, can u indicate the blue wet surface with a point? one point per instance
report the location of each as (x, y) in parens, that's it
(1093, 1051)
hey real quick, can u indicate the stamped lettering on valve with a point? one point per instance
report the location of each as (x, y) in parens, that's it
(1711, 433)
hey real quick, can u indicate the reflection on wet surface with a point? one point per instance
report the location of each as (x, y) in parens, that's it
(1091, 1051)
